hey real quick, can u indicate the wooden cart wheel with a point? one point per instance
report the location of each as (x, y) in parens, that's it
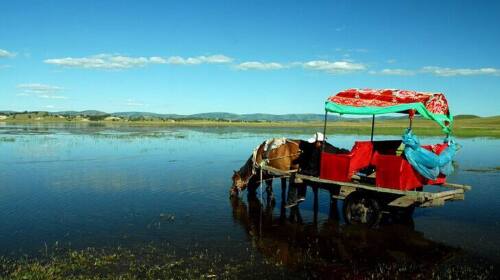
(362, 209)
(400, 214)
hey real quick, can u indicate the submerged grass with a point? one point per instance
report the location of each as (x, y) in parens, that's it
(151, 262)
(7, 139)
(119, 263)
(484, 170)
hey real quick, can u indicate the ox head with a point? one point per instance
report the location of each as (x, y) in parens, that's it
(239, 184)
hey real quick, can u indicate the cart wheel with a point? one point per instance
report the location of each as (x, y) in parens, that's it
(362, 209)
(402, 214)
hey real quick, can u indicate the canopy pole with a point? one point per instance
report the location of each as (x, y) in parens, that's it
(324, 131)
(373, 127)
(411, 115)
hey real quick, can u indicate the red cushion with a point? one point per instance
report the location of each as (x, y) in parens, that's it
(341, 167)
(395, 172)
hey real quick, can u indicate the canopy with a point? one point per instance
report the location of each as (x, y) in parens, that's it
(432, 106)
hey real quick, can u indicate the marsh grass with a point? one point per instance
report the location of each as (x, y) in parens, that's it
(463, 127)
(165, 262)
(484, 170)
(148, 262)
(7, 139)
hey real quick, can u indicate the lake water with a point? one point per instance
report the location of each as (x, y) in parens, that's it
(80, 186)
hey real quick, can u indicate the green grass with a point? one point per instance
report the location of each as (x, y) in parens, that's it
(148, 262)
(468, 126)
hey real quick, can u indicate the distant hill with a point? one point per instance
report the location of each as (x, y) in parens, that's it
(7, 112)
(81, 113)
(463, 117)
(256, 117)
(261, 117)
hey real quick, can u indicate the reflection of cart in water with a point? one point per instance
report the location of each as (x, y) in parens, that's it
(378, 176)
(328, 249)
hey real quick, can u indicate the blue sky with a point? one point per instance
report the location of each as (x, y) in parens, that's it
(244, 56)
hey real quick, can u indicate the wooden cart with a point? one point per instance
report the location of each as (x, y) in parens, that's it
(386, 176)
(366, 203)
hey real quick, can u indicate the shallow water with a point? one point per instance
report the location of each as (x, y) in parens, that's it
(85, 186)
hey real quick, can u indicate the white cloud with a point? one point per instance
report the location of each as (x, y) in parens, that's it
(157, 60)
(39, 88)
(449, 72)
(133, 103)
(335, 67)
(218, 58)
(5, 53)
(41, 91)
(116, 62)
(395, 72)
(50, 96)
(256, 65)
(105, 61)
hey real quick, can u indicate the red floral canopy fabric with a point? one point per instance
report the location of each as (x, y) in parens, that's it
(435, 103)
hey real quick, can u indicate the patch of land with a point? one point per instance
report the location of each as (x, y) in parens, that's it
(464, 126)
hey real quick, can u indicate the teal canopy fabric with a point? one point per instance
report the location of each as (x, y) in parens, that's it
(432, 106)
(443, 120)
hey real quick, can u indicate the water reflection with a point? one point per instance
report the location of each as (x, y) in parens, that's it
(106, 186)
(330, 248)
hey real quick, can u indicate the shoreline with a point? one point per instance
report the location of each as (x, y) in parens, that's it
(382, 127)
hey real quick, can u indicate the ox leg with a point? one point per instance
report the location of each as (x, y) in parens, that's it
(315, 204)
(269, 190)
(334, 212)
(283, 191)
(283, 200)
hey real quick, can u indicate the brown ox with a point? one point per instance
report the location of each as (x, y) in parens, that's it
(284, 157)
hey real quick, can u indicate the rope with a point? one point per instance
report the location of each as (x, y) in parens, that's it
(269, 159)
(261, 203)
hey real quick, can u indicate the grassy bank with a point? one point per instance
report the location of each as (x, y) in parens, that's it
(463, 127)
(150, 262)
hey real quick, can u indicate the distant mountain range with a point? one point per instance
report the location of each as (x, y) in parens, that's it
(219, 116)
(201, 116)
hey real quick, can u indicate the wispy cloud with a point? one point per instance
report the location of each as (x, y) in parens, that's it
(449, 72)
(357, 50)
(105, 61)
(218, 58)
(395, 72)
(438, 71)
(5, 53)
(118, 62)
(334, 67)
(256, 65)
(39, 88)
(41, 91)
(133, 103)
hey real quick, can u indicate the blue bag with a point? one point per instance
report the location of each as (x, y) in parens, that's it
(427, 163)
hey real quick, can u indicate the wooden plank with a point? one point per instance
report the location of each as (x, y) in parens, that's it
(424, 199)
(350, 184)
(457, 186)
(403, 201)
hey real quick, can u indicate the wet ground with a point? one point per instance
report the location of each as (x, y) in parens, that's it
(160, 195)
